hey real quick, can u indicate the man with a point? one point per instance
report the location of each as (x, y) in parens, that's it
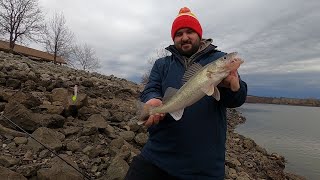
(194, 146)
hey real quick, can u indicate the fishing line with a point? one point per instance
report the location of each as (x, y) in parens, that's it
(82, 173)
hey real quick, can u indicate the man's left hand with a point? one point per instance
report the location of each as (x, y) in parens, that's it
(231, 81)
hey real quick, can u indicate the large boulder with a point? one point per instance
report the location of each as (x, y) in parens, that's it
(48, 137)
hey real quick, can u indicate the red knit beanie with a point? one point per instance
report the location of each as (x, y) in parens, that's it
(186, 19)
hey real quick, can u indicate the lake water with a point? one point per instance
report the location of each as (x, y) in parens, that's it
(291, 131)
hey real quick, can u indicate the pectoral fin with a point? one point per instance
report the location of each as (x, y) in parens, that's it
(216, 93)
(212, 91)
(209, 90)
(177, 114)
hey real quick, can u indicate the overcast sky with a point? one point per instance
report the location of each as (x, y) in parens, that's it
(278, 39)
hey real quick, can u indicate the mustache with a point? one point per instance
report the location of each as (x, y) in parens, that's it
(186, 42)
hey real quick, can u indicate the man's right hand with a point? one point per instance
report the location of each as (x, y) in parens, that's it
(155, 118)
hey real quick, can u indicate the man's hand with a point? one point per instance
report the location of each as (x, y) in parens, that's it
(231, 81)
(155, 118)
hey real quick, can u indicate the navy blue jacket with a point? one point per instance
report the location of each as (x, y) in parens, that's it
(194, 146)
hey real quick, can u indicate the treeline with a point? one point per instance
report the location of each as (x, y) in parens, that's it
(284, 101)
(24, 20)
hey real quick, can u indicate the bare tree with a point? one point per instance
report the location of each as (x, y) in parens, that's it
(20, 19)
(84, 57)
(161, 52)
(58, 38)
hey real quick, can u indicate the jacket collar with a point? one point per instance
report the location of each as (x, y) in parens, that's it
(204, 48)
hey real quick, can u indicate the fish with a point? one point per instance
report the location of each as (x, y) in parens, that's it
(198, 81)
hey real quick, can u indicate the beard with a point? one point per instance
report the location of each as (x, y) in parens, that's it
(188, 48)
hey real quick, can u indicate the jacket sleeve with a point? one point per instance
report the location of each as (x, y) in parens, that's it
(153, 87)
(232, 99)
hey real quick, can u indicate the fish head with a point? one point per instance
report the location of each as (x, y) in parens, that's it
(228, 62)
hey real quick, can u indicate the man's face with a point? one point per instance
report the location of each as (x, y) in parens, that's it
(187, 41)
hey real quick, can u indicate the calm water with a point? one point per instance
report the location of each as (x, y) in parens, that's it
(292, 131)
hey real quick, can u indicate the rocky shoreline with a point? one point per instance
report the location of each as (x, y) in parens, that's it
(313, 102)
(100, 139)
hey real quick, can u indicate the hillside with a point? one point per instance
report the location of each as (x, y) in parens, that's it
(100, 136)
(284, 101)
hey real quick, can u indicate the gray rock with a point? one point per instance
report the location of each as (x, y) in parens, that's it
(124, 152)
(51, 109)
(8, 161)
(127, 135)
(21, 116)
(248, 143)
(133, 126)
(232, 173)
(59, 94)
(28, 170)
(96, 121)
(60, 170)
(117, 117)
(141, 138)
(14, 83)
(118, 143)
(7, 174)
(73, 146)
(20, 140)
(46, 136)
(232, 162)
(70, 130)
(243, 176)
(117, 169)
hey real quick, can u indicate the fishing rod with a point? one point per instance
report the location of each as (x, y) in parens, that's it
(82, 173)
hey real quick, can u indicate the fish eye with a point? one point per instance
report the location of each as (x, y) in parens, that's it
(224, 57)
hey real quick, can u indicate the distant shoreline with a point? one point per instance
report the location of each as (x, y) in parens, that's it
(284, 101)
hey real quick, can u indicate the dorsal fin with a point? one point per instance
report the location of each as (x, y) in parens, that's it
(194, 68)
(170, 91)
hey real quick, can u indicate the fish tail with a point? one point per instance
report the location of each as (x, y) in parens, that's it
(143, 112)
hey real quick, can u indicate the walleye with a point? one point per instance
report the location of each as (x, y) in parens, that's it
(198, 82)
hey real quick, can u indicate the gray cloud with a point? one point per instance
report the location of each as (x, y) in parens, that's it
(279, 40)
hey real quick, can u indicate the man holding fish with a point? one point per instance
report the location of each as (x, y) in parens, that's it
(185, 107)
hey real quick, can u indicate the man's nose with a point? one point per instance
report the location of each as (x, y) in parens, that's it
(185, 36)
